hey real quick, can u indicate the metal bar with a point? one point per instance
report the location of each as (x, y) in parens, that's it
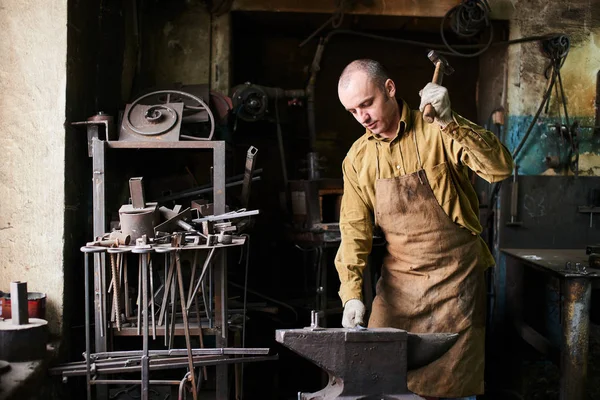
(86, 277)
(221, 322)
(136, 190)
(18, 298)
(173, 313)
(575, 338)
(219, 177)
(132, 382)
(116, 291)
(126, 287)
(182, 363)
(199, 191)
(200, 335)
(168, 280)
(210, 312)
(131, 361)
(165, 284)
(224, 351)
(200, 279)
(99, 227)
(139, 297)
(193, 275)
(99, 169)
(230, 215)
(187, 192)
(212, 144)
(146, 349)
(186, 325)
(152, 301)
(248, 172)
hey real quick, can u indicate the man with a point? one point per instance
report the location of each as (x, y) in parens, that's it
(410, 179)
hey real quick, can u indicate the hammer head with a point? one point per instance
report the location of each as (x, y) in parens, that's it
(436, 58)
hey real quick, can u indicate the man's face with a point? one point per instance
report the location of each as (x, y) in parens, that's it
(372, 106)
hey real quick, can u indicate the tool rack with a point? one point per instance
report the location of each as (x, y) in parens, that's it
(218, 325)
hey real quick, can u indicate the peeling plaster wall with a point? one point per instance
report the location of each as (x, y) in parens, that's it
(526, 81)
(32, 138)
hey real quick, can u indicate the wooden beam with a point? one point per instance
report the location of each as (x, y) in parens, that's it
(408, 8)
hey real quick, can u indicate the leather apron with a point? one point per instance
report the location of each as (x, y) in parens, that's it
(431, 282)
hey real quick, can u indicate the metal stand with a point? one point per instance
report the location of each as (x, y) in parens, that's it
(99, 151)
(145, 364)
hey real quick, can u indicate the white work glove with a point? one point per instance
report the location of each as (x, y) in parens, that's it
(354, 311)
(438, 97)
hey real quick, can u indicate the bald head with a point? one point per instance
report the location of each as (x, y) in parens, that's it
(373, 69)
(368, 94)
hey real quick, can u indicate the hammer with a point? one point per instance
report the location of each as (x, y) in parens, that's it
(441, 67)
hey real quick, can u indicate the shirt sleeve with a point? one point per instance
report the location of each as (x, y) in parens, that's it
(478, 149)
(356, 229)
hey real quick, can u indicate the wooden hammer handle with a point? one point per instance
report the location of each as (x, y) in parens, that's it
(438, 75)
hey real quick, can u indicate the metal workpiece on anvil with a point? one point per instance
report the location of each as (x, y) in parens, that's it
(365, 363)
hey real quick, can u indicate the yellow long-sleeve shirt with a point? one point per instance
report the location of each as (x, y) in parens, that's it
(445, 155)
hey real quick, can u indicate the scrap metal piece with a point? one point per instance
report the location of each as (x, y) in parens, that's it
(139, 218)
(362, 364)
(248, 172)
(175, 221)
(150, 123)
(136, 189)
(18, 298)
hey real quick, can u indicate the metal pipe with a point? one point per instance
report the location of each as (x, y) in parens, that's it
(146, 349)
(223, 351)
(182, 362)
(131, 382)
(88, 375)
(575, 338)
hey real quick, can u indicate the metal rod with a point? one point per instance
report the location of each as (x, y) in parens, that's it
(173, 364)
(126, 288)
(146, 349)
(193, 275)
(210, 314)
(139, 297)
(186, 326)
(200, 279)
(200, 335)
(223, 351)
(173, 308)
(132, 382)
(166, 285)
(168, 280)
(18, 297)
(152, 301)
(88, 375)
(219, 178)
(231, 181)
(221, 322)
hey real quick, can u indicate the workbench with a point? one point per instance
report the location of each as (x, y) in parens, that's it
(575, 279)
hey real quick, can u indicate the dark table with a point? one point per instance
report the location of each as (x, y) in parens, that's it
(571, 268)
